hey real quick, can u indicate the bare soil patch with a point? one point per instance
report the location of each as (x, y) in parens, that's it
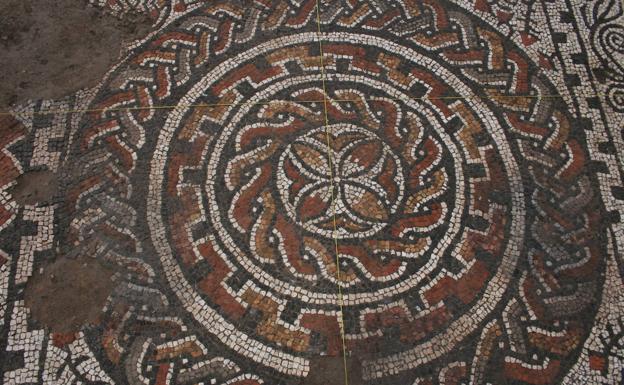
(35, 187)
(325, 370)
(69, 293)
(51, 48)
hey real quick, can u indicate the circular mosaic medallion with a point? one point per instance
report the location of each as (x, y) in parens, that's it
(397, 186)
(404, 171)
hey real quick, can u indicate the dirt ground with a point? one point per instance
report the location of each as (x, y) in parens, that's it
(331, 370)
(35, 187)
(69, 293)
(51, 48)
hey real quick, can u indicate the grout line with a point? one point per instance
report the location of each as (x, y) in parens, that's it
(341, 323)
(171, 107)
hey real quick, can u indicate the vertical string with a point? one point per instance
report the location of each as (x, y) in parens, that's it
(333, 197)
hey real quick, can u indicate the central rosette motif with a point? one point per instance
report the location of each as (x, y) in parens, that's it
(344, 172)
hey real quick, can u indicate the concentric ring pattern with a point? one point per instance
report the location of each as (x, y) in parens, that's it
(401, 180)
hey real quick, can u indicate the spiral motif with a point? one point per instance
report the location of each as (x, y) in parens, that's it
(615, 97)
(611, 39)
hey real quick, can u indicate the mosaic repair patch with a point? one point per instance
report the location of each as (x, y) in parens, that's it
(428, 191)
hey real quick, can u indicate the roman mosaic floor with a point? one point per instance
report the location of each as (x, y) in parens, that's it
(325, 192)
